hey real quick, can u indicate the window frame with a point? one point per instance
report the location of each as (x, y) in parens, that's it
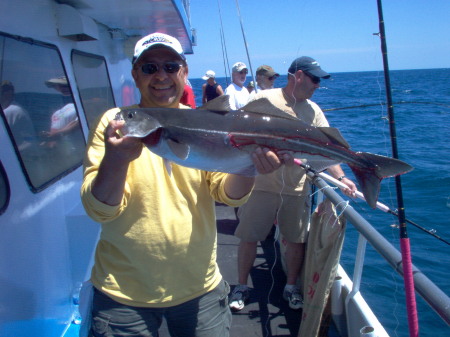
(71, 168)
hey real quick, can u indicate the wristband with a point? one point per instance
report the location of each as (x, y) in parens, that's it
(341, 177)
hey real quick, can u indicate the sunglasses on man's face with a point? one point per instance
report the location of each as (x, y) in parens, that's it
(169, 67)
(271, 78)
(244, 71)
(314, 79)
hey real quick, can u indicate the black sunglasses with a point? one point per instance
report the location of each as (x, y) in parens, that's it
(244, 71)
(271, 78)
(169, 67)
(314, 79)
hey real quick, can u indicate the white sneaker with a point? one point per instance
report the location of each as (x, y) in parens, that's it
(240, 295)
(294, 298)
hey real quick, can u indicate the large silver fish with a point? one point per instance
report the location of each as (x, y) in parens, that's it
(213, 138)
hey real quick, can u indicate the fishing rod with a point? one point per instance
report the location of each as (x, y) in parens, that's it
(226, 63)
(245, 43)
(359, 195)
(378, 104)
(408, 279)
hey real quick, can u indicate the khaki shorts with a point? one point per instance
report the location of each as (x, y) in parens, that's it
(263, 209)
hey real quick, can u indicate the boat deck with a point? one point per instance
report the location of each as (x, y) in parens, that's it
(266, 314)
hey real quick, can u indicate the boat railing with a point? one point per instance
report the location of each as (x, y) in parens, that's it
(431, 293)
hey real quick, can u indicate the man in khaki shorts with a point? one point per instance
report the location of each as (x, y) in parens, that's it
(283, 196)
(291, 213)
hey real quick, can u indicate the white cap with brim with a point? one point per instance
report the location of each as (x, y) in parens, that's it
(157, 39)
(238, 66)
(209, 74)
(56, 81)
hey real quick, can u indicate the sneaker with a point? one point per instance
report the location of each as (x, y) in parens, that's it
(294, 298)
(239, 296)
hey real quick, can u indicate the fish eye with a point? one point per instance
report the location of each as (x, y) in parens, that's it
(130, 114)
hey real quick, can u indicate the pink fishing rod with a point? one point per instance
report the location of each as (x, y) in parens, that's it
(411, 307)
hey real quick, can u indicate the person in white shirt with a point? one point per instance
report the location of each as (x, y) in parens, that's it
(18, 120)
(65, 119)
(239, 94)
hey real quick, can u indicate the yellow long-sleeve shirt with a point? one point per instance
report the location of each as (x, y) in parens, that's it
(158, 246)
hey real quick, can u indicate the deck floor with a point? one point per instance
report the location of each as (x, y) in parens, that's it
(266, 314)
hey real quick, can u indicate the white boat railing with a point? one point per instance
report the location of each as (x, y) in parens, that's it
(431, 293)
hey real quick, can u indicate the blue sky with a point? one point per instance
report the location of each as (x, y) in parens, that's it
(337, 33)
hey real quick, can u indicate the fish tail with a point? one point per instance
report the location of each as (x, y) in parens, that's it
(378, 167)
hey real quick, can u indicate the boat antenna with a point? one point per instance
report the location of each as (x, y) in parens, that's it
(404, 240)
(226, 64)
(245, 44)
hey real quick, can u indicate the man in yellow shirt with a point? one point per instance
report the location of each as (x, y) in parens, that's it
(156, 256)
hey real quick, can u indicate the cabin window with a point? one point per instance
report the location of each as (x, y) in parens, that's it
(39, 111)
(93, 84)
(4, 190)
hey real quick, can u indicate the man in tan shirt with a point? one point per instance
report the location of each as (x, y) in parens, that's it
(283, 196)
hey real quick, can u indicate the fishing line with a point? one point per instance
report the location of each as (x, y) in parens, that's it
(385, 120)
(347, 204)
(226, 63)
(388, 121)
(338, 215)
(275, 239)
(323, 188)
(383, 104)
(277, 231)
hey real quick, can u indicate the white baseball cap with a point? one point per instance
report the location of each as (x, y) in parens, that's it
(209, 74)
(238, 66)
(157, 39)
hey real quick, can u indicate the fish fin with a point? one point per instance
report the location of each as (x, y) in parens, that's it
(369, 179)
(369, 184)
(168, 166)
(386, 166)
(264, 106)
(179, 149)
(218, 104)
(335, 136)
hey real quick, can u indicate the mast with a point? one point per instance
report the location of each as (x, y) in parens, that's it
(404, 240)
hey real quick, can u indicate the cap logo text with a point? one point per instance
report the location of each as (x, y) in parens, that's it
(154, 39)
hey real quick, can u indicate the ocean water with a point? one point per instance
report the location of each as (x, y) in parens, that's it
(422, 120)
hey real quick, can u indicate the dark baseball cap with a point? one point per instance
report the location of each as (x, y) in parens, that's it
(266, 71)
(308, 65)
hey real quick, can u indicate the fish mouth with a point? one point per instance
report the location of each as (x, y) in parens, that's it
(153, 138)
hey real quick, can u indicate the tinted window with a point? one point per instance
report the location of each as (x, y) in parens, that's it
(39, 111)
(93, 84)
